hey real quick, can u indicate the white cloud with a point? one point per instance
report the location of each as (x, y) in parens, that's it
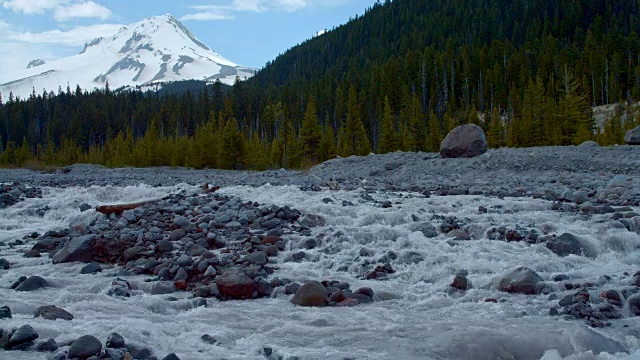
(63, 10)
(74, 37)
(32, 6)
(87, 9)
(223, 12)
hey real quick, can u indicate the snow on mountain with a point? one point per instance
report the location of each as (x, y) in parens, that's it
(157, 49)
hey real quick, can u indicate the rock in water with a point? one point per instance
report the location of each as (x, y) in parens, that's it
(566, 244)
(77, 249)
(115, 341)
(52, 312)
(33, 283)
(85, 347)
(632, 137)
(312, 293)
(235, 284)
(5, 312)
(465, 141)
(23, 335)
(521, 280)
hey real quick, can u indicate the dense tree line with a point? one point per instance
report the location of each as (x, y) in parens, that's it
(398, 78)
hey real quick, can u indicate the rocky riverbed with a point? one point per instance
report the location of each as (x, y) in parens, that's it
(516, 253)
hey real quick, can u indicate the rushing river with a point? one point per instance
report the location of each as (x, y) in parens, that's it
(419, 320)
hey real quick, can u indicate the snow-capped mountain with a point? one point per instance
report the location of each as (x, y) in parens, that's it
(157, 49)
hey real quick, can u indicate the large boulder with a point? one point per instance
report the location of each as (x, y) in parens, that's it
(567, 244)
(233, 283)
(465, 141)
(632, 137)
(521, 280)
(79, 248)
(312, 293)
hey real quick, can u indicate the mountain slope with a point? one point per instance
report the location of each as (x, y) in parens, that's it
(157, 49)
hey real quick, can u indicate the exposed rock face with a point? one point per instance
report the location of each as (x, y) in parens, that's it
(465, 141)
(312, 293)
(632, 137)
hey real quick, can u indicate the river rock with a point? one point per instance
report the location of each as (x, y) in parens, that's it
(566, 244)
(4, 264)
(23, 335)
(521, 280)
(589, 144)
(162, 288)
(52, 312)
(79, 248)
(47, 345)
(5, 312)
(32, 283)
(464, 141)
(171, 356)
(91, 268)
(235, 284)
(312, 293)
(115, 341)
(84, 347)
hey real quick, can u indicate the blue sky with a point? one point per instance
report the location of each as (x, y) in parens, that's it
(248, 32)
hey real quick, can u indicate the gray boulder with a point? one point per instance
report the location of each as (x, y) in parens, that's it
(521, 280)
(632, 137)
(566, 244)
(312, 293)
(162, 288)
(5, 312)
(32, 283)
(85, 347)
(465, 141)
(115, 341)
(427, 229)
(52, 312)
(47, 345)
(79, 248)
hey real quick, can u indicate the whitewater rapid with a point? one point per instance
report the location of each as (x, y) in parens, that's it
(420, 319)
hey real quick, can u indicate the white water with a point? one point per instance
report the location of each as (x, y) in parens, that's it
(422, 323)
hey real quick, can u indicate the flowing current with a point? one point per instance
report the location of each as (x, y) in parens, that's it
(419, 319)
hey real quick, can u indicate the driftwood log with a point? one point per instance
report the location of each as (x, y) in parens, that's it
(118, 209)
(110, 209)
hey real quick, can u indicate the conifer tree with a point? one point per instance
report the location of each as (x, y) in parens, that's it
(388, 134)
(327, 148)
(311, 132)
(232, 146)
(354, 136)
(435, 137)
(417, 126)
(496, 130)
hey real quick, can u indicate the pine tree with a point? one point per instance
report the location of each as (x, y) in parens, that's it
(417, 126)
(232, 146)
(435, 136)
(327, 148)
(388, 134)
(311, 132)
(354, 136)
(496, 130)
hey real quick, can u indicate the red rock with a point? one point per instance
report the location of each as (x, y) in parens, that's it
(235, 284)
(180, 285)
(270, 240)
(348, 303)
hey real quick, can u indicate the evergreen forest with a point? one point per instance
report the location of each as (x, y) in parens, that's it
(400, 77)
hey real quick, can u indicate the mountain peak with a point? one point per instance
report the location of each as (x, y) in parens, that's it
(156, 49)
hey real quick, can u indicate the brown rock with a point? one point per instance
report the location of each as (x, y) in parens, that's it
(235, 284)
